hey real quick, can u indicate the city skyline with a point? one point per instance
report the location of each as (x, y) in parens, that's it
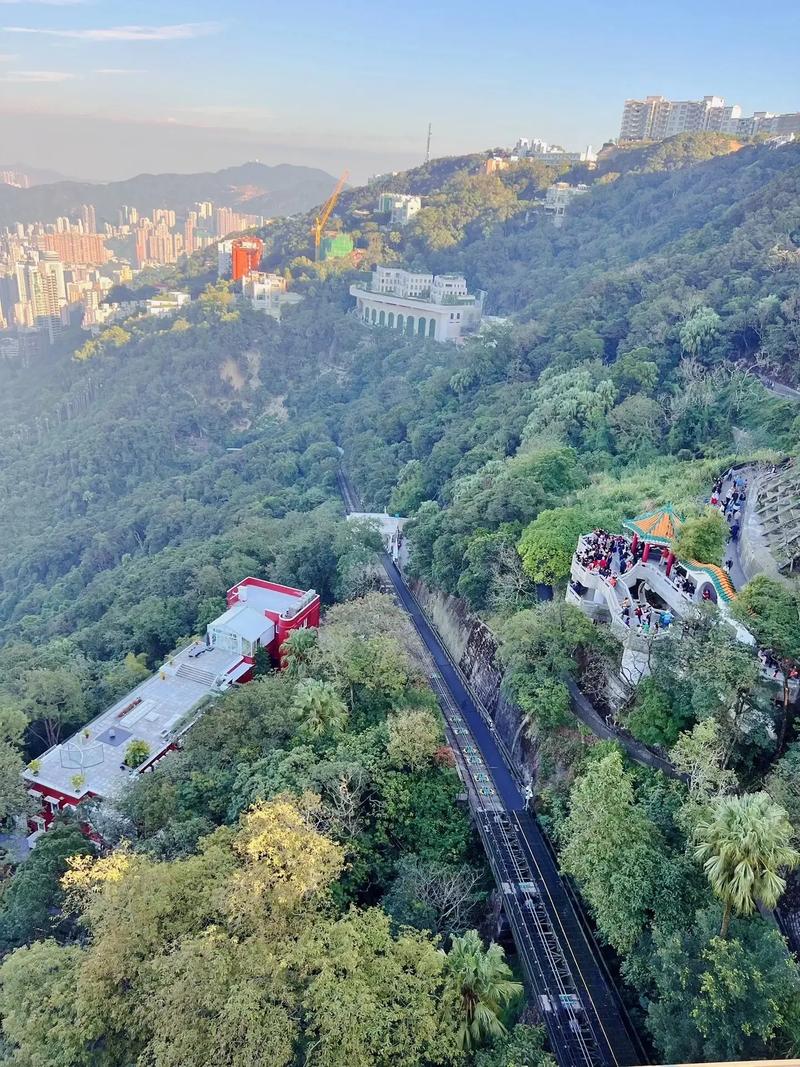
(106, 91)
(52, 268)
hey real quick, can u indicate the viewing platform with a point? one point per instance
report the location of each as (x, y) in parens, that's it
(637, 585)
(92, 763)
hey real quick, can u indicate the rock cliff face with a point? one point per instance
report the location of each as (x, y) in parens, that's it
(474, 648)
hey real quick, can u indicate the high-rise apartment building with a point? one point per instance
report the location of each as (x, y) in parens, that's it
(142, 231)
(42, 293)
(161, 245)
(189, 227)
(88, 218)
(225, 221)
(15, 178)
(229, 221)
(52, 267)
(84, 249)
(656, 117)
(165, 215)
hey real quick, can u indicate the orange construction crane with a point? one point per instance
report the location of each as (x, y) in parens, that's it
(321, 221)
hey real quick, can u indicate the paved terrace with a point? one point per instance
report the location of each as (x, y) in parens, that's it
(154, 712)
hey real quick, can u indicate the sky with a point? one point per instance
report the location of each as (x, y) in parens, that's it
(104, 89)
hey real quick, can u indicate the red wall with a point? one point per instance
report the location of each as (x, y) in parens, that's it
(283, 627)
(246, 253)
(46, 812)
(260, 583)
(308, 617)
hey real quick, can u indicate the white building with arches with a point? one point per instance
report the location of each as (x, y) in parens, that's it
(418, 304)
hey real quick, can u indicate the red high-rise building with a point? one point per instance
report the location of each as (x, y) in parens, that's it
(246, 253)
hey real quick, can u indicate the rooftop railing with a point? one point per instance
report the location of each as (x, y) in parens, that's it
(461, 301)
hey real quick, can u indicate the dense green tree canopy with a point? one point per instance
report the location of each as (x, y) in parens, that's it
(722, 999)
(771, 611)
(271, 865)
(548, 543)
(703, 538)
(744, 843)
(613, 850)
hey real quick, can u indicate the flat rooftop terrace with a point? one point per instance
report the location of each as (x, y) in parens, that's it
(261, 599)
(152, 712)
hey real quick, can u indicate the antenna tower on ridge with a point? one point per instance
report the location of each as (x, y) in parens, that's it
(428, 149)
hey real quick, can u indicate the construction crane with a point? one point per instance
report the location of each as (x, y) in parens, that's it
(321, 221)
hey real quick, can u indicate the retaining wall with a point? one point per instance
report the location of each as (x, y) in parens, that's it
(474, 648)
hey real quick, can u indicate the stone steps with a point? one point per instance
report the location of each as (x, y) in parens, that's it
(192, 672)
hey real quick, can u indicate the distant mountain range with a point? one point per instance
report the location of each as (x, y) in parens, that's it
(253, 188)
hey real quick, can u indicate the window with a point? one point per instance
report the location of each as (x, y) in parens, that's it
(228, 641)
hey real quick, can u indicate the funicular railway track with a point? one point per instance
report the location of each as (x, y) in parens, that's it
(582, 1013)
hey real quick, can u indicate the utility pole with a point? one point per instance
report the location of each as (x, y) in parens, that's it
(428, 149)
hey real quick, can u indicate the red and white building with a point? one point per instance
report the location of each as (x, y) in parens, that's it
(91, 764)
(261, 615)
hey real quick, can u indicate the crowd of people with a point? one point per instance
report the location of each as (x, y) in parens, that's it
(645, 618)
(729, 494)
(611, 556)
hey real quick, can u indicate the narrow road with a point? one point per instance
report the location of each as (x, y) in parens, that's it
(585, 1019)
(781, 390)
(731, 554)
(585, 710)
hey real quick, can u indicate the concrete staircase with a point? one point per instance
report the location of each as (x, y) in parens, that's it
(193, 672)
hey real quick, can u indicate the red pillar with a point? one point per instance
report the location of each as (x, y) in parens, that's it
(635, 542)
(670, 561)
(646, 552)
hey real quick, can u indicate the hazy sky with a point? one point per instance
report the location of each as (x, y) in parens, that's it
(108, 88)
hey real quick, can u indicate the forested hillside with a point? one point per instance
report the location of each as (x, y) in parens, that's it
(177, 455)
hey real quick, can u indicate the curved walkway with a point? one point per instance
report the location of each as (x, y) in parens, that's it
(639, 752)
(735, 569)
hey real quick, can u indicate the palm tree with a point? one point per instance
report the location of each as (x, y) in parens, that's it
(481, 981)
(742, 843)
(297, 652)
(320, 707)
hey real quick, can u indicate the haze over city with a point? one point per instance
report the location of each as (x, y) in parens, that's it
(104, 91)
